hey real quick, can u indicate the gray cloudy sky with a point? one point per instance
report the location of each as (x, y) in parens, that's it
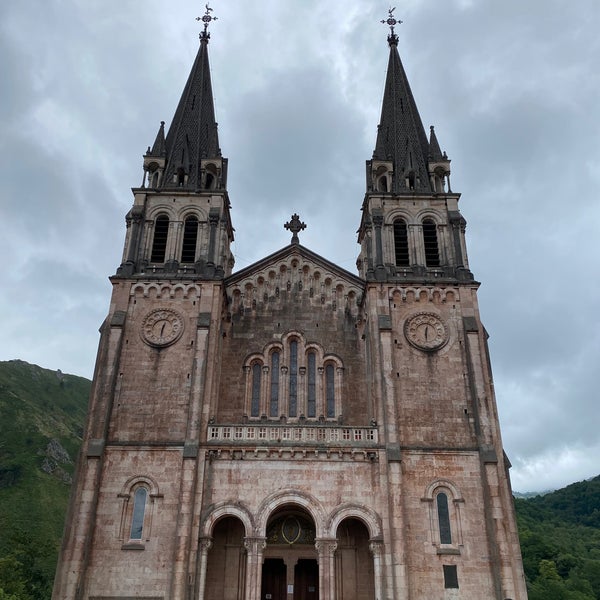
(513, 88)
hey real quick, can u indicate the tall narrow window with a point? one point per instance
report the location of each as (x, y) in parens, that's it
(139, 509)
(311, 397)
(190, 236)
(443, 518)
(274, 404)
(430, 240)
(330, 390)
(159, 243)
(401, 243)
(255, 402)
(293, 406)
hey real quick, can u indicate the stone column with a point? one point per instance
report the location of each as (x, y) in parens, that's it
(205, 546)
(213, 219)
(376, 549)
(255, 547)
(326, 550)
(378, 223)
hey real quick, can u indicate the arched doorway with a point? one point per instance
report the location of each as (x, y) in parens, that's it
(354, 571)
(290, 567)
(226, 567)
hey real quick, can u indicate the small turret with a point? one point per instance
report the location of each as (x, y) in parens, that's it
(155, 159)
(439, 166)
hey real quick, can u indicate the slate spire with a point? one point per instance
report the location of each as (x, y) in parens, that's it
(159, 147)
(401, 137)
(193, 132)
(435, 153)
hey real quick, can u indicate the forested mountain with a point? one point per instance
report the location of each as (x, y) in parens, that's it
(42, 414)
(560, 542)
(41, 423)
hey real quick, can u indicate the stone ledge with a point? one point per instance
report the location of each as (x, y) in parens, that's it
(133, 546)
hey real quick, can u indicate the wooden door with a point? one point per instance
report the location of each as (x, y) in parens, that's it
(306, 579)
(273, 585)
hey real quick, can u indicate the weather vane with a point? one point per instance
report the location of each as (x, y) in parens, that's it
(206, 18)
(295, 226)
(391, 21)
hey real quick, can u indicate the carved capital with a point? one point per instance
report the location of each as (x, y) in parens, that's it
(378, 221)
(326, 547)
(255, 545)
(376, 548)
(205, 544)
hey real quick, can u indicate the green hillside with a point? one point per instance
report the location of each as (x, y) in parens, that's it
(560, 542)
(41, 424)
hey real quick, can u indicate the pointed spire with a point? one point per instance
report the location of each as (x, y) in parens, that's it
(159, 147)
(193, 134)
(435, 153)
(401, 137)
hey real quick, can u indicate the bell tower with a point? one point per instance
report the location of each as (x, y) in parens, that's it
(180, 223)
(427, 347)
(130, 523)
(411, 229)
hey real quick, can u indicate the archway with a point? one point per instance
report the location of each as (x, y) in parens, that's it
(354, 572)
(226, 568)
(290, 567)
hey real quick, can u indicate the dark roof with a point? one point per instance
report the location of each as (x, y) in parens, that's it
(193, 133)
(401, 137)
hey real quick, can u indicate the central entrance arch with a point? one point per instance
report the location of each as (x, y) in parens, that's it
(290, 568)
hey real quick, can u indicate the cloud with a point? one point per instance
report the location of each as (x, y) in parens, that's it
(512, 88)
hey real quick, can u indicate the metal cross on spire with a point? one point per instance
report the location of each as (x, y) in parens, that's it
(295, 226)
(206, 18)
(392, 22)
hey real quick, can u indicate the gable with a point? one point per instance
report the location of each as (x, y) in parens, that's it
(294, 275)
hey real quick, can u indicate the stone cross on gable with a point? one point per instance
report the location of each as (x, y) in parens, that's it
(295, 226)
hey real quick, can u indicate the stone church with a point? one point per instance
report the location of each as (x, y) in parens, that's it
(292, 431)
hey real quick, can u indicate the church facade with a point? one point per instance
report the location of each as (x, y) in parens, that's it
(292, 431)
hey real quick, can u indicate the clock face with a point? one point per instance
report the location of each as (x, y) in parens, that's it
(162, 327)
(426, 331)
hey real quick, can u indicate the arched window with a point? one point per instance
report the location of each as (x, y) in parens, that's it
(443, 515)
(330, 391)
(159, 243)
(139, 510)
(381, 177)
(311, 396)
(210, 179)
(190, 237)
(430, 240)
(255, 400)
(401, 243)
(293, 398)
(274, 400)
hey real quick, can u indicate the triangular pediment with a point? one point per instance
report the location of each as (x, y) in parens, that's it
(295, 274)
